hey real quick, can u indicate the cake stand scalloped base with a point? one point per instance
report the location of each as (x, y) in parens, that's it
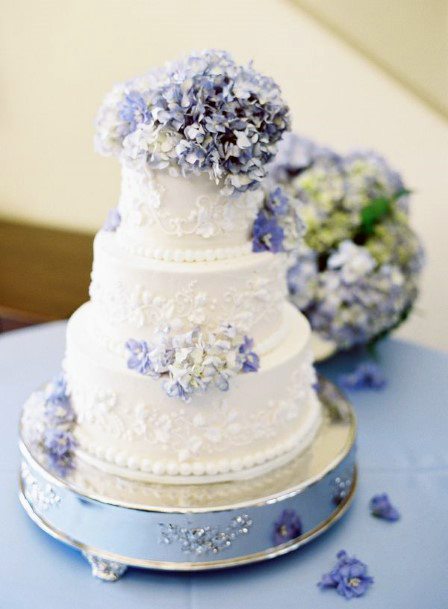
(118, 523)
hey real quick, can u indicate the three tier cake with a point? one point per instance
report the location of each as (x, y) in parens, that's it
(188, 364)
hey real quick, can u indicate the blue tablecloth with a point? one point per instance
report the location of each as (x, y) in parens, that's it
(403, 450)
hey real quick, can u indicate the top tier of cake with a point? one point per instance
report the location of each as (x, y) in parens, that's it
(178, 219)
(195, 139)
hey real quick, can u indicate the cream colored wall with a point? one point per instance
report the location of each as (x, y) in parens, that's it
(409, 38)
(58, 58)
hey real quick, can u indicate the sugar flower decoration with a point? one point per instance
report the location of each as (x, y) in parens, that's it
(202, 114)
(278, 226)
(268, 235)
(287, 527)
(367, 375)
(58, 440)
(247, 356)
(349, 577)
(355, 271)
(381, 507)
(192, 362)
(112, 221)
(59, 443)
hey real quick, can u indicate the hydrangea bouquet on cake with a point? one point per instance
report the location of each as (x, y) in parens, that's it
(202, 114)
(355, 273)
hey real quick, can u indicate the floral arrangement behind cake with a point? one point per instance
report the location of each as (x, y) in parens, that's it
(355, 273)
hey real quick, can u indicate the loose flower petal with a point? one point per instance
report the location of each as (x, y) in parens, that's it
(349, 577)
(366, 375)
(381, 507)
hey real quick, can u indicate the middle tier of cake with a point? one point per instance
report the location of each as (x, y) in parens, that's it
(134, 297)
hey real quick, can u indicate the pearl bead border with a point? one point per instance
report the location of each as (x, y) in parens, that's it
(176, 472)
(187, 255)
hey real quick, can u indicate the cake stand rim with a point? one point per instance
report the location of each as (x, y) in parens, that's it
(292, 491)
(247, 559)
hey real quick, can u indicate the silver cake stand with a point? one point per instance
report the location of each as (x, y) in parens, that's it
(118, 523)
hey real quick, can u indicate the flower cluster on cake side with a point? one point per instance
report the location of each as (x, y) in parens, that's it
(202, 114)
(278, 226)
(355, 272)
(51, 421)
(193, 361)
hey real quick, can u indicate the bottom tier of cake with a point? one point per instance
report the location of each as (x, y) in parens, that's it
(126, 424)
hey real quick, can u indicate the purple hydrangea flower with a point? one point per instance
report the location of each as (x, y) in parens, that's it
(287, 527)
(354, 296)
(58, 409)
(133, 110)
(277, 202)
(62, 465)
(139, 359)
(112, 221)
(57, 391)
(59, 443)
(349, 577)
(59, 413)
(366, 375)
(278, 226)
(193, 361)
(267, 234)
(176, 390)
(57, 439)
(381, 507)
(204, 113)
(251, 361)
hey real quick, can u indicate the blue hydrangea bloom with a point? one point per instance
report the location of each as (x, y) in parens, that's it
(193, 361)
(355, 271)
(287, 527)
(367, 375)
(278, 226)
(277, 202)
(57, 391)
(349, 577)
(267, 234)
(62, 465)
(381, 507)
(133, 110)
(204, 113)
(139, 356)
(58, 408)
(176, 390)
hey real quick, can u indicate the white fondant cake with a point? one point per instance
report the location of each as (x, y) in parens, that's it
(188, 364)
(125, 421)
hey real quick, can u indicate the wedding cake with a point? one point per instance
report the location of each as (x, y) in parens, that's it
(188, 364)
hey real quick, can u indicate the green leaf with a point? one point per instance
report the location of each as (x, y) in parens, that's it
(373, 212)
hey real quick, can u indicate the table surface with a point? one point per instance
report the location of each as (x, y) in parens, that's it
(402, 450)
